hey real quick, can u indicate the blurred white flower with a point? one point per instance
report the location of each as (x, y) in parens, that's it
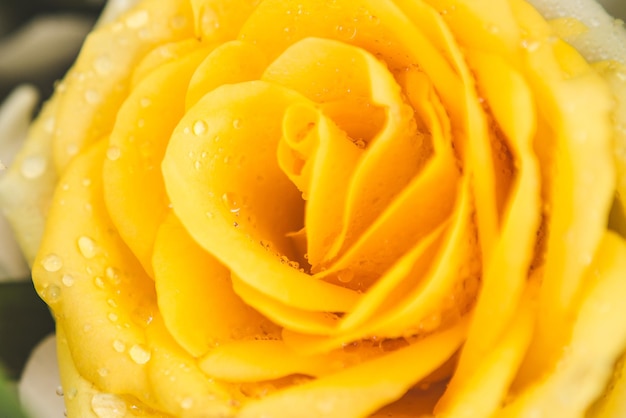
(15, 116)
(40, 388)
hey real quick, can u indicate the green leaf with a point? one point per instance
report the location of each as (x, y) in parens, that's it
(9, 405)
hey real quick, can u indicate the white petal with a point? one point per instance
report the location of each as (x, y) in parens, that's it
(606, 37)
(15, 116)
(39, 388)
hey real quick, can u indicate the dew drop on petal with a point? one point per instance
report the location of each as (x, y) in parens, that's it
(199, 127)
(103, 65)
(345, 276)
(92, 97)
(99, 282)
(186, 403)
(113, 317)
(103, 371)
(107, 405)
(33, 166)
(139, 354)
(232, 202)
(237, 123)
(52, 263)
(178, 22)
(137, 19)
(71, 394)
(119, 346)
(87, 247)
(345, 32)
(112, 275)
(52, 294)
(67, 280)
(50, 124)
(145, 102)
(59, 391)
(72, 149)
(113, 153)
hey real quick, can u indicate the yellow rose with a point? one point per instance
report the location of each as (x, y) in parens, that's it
(336, 208)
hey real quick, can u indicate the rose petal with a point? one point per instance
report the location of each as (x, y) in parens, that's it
(97, 84)
(133, 186)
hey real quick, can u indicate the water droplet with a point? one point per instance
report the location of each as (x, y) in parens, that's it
(145, 102)
(144, 33)
(237, 123)
(178, 22)
(326, 406)
(210, 20)
(87, 247)
(113, 153)
(139, 354)
(86, 182)
(232, 202)
(67, 280)
(33, 166)
(430, 322)
(119, 346)
(71, 394)
(103, 65)
(137, 19)
(186, 403)
(103, 371)
(113, 317)
(346, 32)
(52, 293)
(531, 46)
(142, 316)
(197, 164)
(351, 347)
(92, 97)
(108, 405)
(112, 275)
(112, 303)
(360, 143)
(345, 276)
(52, 263)
(59, 390)
(99, 282)
(199, 127)
(392, 344)
(50, 124)
(72, 149)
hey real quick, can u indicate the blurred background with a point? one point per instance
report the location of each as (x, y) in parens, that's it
(30, 51)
